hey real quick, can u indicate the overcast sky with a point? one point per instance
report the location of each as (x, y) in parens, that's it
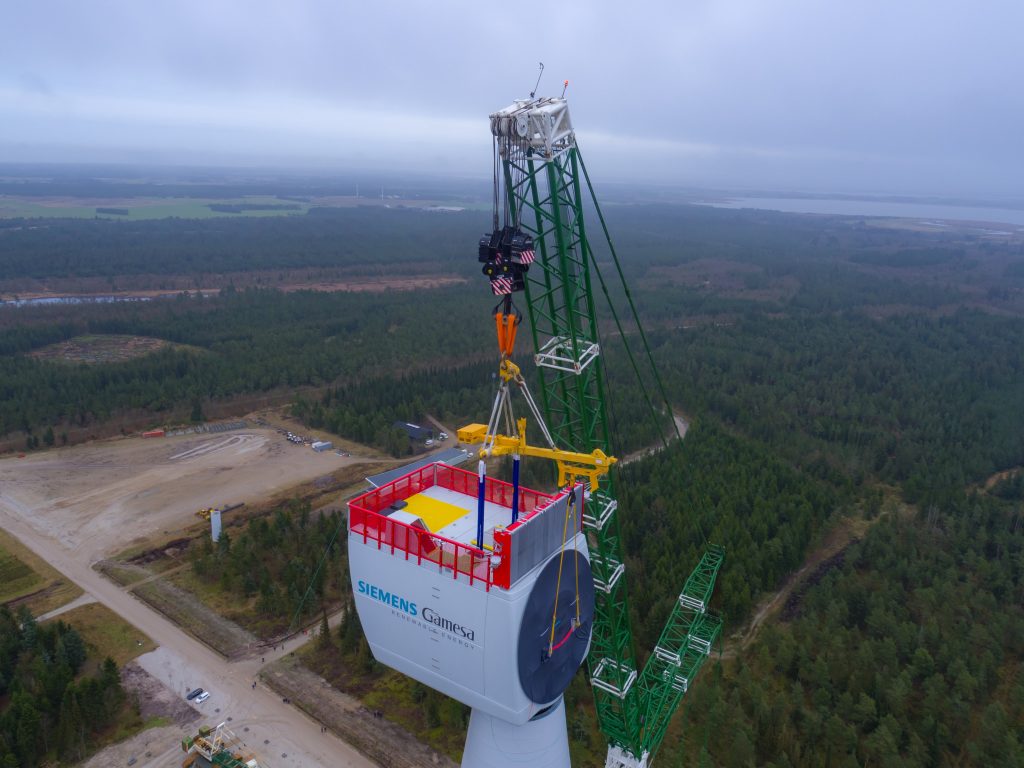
(909, 96)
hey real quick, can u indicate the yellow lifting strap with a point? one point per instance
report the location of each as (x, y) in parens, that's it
(572, 466)
(570, 513)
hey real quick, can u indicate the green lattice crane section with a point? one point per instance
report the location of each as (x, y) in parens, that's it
(539, 167)
(686, 641)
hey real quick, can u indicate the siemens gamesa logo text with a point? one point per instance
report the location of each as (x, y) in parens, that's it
(395, 601)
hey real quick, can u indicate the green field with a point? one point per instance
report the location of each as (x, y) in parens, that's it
(107, 634)
(16, 577)
(144, 208)
(26, 578)
(141, 208)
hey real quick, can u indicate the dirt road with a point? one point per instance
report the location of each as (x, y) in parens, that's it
(845, 532)
(682, 425)
(75, 506)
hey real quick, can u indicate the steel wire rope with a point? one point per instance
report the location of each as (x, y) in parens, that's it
(625, 286)
(569, 510)
(576, 561)
(639, 325)
(650, 405)
(651, 410)
(327, 550)
(495, 165)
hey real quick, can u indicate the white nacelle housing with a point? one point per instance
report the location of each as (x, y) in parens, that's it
(476, 623)
(457, 638)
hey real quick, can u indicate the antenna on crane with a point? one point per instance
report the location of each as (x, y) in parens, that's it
(537, 84)
(565, 86)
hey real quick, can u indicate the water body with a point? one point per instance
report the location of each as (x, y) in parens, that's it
(927, 211)
(43, 301)
(47, 300)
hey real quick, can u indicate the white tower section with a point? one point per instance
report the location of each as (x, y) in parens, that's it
(502, 626)
(215, 525)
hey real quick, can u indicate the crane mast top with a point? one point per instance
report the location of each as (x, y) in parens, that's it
(541, 125)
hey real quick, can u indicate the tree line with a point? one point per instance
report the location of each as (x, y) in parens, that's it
(905, 653)
(242, 342)
(48, 708)
(359, 237)
(279, 570)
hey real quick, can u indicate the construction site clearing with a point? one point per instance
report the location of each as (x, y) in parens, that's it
(80, 506)
(104, 497)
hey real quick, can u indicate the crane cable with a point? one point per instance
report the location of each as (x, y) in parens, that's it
(312, 581)
(570, 511)
(629, 296)
(494, 166)
(636, 319)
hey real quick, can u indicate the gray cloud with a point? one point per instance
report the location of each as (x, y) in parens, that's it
(914, 96)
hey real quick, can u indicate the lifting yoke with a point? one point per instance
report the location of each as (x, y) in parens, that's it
(572, 465)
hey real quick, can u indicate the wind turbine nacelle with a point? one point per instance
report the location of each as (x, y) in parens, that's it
(438, 610)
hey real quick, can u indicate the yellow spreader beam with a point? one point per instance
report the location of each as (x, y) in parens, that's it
(571, 465)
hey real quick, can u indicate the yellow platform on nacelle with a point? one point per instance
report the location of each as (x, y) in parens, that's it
(434, 513)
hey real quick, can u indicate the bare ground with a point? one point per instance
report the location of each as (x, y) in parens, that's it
(825, 555)
(158, 747)
(100, 498)
(155, 698)
(327, 283)
(185, 610)
(387, 744)
(153, 746)
(998, 477)
(682, 425)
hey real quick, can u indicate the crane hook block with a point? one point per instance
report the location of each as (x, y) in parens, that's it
(506, 255)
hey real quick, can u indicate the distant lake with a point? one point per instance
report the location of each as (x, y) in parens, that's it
(45, 300)
(873, 208)
(42, 301)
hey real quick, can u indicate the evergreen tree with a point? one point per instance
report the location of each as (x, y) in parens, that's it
(325, 632)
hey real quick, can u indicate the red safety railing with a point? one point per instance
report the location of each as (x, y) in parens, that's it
(426, 548)
(495, 491)
(429, 549)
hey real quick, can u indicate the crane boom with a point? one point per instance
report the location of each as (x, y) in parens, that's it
(543, 251)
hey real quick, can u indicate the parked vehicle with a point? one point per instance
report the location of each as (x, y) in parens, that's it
(202, 697)
(192, 694)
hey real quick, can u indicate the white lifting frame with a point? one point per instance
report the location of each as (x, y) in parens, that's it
(557, 353)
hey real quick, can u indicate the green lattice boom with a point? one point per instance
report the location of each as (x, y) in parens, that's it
(633, 707)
